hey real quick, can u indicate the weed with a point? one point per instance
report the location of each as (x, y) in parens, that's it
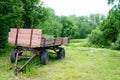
(81, 63)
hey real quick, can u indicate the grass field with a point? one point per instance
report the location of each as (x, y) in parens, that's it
(81, 63)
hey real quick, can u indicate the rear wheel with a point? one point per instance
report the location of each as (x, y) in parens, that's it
(61, 53)
(44, 57)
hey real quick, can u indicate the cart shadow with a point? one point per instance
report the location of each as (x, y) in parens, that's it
(36, 62)
(53, 57)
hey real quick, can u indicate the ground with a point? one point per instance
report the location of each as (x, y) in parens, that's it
(81, 63)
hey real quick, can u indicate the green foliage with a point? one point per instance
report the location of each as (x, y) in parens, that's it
(34, 13)
(97, 38)
(115, 5)
(117, 43)
(109, 29)
(24, 13)
(67, 27)
(111, 26)
(111, 1)
(52, 25)
(3, 37)
(83, 63)
(71, 26)
(85, 24)
(5, 15)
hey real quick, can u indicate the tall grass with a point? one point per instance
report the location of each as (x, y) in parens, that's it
(81, 63)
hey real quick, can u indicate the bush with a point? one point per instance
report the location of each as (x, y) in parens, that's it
(97, 38)
(117, 43)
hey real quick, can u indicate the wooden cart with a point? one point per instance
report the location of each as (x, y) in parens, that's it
(33, 40)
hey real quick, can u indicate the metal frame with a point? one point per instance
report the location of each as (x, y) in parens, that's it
(35, 51)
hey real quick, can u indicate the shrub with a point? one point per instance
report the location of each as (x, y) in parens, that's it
(96, 37)
(117, 43)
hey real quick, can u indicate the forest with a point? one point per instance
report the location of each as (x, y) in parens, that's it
(92, 31)
(100, 29)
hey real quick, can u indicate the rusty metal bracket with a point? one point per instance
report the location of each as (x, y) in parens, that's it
(16, 36)
(31, 37)
(19, 69)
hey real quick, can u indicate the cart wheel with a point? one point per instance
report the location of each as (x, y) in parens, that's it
(44, 57)
(12, 55)
(61, 53)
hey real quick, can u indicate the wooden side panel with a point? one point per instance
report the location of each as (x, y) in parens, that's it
(49, 42)
(52, 42)
(26, 31)
(24, 36)
(58, 41)
(65, 40)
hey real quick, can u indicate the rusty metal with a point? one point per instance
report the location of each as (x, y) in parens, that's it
(44, 41)
(31, 37)
(54, 41)
(16, 36)
(26, 63)
(16, 63)
(24, 57)
(36, 51)
(62, 41)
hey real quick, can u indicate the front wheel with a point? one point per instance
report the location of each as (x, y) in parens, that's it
(12, 55)
(61, 53)
(44, 57)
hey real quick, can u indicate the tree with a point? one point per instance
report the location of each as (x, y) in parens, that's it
(115, 4)
(25, 13)
(10, 14)
(85, 24)
(52, 25)
(67, 27)
(34, 13)
(97, 38)
(110, 27)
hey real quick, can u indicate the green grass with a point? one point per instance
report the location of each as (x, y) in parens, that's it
(78, 43)
(81, 63)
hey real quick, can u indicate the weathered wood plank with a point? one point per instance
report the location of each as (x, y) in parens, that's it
(24, 36)
(27, 31)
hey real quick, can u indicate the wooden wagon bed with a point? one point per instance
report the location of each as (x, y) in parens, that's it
(33, 38)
